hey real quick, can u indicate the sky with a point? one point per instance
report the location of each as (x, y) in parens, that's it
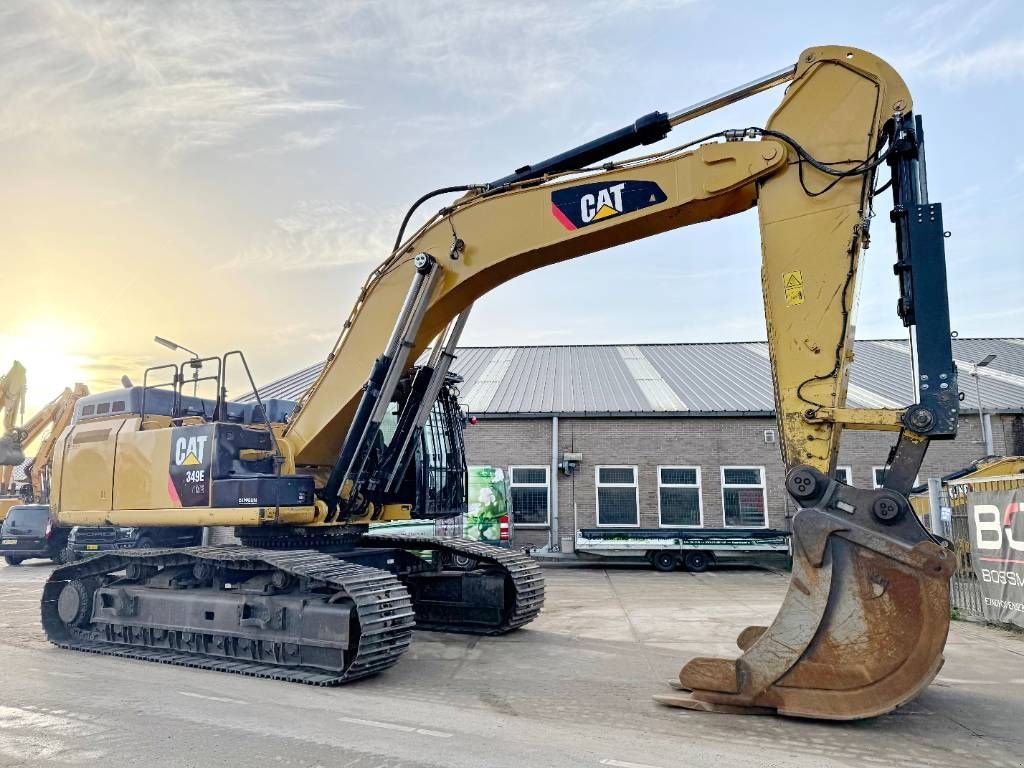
(226, 174)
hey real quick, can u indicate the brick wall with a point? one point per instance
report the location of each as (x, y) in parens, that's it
(707, 443)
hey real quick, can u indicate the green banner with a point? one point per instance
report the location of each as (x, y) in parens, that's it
(488, 503)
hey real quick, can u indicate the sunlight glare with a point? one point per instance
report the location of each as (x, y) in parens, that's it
(45, 349)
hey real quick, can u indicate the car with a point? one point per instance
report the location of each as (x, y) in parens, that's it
(28, 531)
(88, 540)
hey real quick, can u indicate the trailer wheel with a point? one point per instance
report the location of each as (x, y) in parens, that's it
(665, 562)
(697, 562)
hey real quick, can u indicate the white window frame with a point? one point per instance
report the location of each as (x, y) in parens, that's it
(546, 485)
(763, 485)
(917, 480)
(698, 486)
(598, 485)
(849, 472)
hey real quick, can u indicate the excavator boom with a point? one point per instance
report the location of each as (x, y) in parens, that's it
(863, 626)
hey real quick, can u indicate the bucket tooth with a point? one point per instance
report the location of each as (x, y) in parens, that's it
(860, 631)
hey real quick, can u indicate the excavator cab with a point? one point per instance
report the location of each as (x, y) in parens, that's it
(441, 473)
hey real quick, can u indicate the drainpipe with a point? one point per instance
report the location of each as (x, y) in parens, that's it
(554, 542)
(935, 506)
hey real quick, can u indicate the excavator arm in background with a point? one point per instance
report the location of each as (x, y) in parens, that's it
(12, 403)
(55, 415)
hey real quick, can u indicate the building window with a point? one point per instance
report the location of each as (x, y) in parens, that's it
(679, 499)
(618, 501)
(743, 497)
(844, 475)
(528, 488)
(878, 477)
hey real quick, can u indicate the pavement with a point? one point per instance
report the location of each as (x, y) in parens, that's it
(572, 689)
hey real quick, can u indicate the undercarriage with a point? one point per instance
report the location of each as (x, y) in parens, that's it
(308, 616)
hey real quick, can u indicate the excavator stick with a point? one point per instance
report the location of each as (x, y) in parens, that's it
(861, 629)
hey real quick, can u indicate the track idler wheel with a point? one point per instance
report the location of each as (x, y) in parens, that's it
(74, 603)
(861, 629)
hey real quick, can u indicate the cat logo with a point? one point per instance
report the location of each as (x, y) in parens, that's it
(188, 451)
(191, 459)
(585, 204)
(607, 202)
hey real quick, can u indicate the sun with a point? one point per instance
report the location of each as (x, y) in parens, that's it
(47, 352)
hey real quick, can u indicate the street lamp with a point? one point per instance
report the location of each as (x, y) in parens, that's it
(174, 347)
(986, 433)
(194, 362)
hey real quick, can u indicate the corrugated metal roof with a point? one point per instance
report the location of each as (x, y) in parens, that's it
(692, 379)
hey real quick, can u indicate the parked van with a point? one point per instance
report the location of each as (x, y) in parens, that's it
(29, 531)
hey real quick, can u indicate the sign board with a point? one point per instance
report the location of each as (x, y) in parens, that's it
(488, 503)
(996, 522)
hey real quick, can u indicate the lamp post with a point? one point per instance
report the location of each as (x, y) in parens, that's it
(986, 433)
(174, 347)
(194, 363)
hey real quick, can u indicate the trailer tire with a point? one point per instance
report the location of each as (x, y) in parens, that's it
(697, 562)
(666, 562)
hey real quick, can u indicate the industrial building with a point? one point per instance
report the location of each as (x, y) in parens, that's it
(684, 435)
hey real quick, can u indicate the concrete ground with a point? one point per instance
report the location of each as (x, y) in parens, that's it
(572, 689)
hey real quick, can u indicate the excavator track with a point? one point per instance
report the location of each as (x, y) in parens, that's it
(524, 574)
(382, 607)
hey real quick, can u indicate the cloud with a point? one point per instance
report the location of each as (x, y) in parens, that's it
(320, 234)
(184, 76)
(999, 61)
(945, 32)
(103, 371)
(188, 75)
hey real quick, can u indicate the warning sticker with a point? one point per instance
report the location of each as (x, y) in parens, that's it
(794, 285)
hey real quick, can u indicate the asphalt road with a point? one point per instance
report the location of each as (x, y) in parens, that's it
(573, 689)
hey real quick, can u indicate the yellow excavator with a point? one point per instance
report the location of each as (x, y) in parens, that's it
(55, 415)
(13, 386)
(312, 594)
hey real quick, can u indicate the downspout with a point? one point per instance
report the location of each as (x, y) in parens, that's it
(554, 543)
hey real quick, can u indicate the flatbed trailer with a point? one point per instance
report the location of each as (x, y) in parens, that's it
(666, 549)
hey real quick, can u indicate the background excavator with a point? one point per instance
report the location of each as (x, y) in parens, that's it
(55, 416)
(311, 595)
(13, 386)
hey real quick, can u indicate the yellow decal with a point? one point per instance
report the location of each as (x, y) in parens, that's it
(604, 212)
(794, 284)
(191, 460)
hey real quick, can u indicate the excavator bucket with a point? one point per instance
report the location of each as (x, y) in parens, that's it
(11, 452)
(861, 629)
